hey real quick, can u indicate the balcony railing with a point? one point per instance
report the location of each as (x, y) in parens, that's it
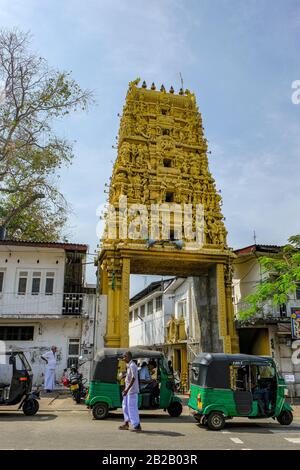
(44, 305)
(268, 312)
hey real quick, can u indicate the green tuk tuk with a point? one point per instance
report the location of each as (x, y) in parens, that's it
(224, 386)
(105, 388)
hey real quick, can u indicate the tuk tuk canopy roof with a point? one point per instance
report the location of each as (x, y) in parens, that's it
(105, 363)
(206, 359)
(212, 369)
(119, 352)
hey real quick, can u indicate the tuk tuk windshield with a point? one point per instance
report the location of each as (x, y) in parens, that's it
(21, 362)
(198, 375)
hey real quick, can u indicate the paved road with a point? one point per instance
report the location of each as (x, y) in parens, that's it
(75, 429)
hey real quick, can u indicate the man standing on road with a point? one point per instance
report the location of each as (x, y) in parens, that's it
(50, 359)
(130, 396)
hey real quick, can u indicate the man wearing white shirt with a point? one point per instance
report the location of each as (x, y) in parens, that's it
(130, 395)
(50, 359)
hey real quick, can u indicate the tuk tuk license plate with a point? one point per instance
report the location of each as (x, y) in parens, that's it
(74, 387)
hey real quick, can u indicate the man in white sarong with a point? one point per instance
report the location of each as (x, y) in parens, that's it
(50, 359)
(130, 396)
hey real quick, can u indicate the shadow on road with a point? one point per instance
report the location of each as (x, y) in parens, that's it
(163, 418)
(163, 433)
(258, 428)
(21, 417)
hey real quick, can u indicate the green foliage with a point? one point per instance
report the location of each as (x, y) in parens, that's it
(281, 277)
(31, 153)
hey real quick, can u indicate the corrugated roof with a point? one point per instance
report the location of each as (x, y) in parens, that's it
(62, 245)
(258, 248)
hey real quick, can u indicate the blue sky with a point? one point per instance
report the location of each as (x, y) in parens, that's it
(239, 57)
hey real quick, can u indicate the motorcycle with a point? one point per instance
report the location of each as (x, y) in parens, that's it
(76, 383)
(177, 382)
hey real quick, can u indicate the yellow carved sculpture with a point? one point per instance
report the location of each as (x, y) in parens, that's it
(162, 158)
(176, 331)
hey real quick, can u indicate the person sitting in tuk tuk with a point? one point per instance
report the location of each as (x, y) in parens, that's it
(144, 377)
(262, 397)
(147, 383)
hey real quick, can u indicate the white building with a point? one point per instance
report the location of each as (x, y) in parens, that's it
(150, 310)
(44, 301)
(269, 332)
(164, 316)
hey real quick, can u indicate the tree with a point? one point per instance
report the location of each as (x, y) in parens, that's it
(281, 279)
(32, 97)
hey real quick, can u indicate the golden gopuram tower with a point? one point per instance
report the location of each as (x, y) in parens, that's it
(162, 161)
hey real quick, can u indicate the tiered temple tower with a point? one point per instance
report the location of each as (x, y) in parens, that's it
(162, 160)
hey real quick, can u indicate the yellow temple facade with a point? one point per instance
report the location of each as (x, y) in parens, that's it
(162, 163)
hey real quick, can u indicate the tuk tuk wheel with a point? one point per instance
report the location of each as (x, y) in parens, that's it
(204, 421)
(30, 407)
(100, 410)
(175, 409)
(285, 417)
(216, 421)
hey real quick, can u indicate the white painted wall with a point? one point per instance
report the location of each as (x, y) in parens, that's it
(152, 329)
(37, 310)
(46, 334)
(13, 260)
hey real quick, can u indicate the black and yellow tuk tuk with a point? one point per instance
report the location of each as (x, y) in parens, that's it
(16, 382)
(224, 386)
(105, 389)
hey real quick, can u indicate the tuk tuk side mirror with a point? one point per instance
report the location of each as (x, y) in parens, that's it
(11, 360)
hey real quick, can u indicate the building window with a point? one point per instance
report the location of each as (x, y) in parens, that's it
(22, 284)
(167, 163)
(73, 351)
(130, 317)
(16, 333)
(158, 303)
(166, 132)
(164, 112)
(49, 283)
(1, 281)
(150, 307)
(135, 314)
(169, 197)
(181, 309)
(142, 311)
(36, 283)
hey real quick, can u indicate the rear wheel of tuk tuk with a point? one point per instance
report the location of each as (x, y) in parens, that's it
(285, 417)
(30, 407)
(216, 421)
(100, 410)
(175, 409)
